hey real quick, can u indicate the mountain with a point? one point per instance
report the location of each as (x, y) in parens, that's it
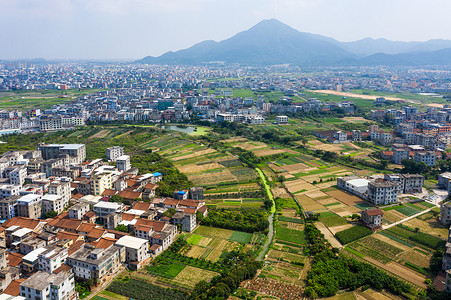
(272, 42)
(268, 42)
(369, 46)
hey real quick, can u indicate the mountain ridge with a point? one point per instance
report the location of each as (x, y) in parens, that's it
(273, 42)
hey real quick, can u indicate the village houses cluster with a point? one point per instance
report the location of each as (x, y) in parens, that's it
(60, 219)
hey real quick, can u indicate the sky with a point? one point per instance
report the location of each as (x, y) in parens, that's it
(132, 29)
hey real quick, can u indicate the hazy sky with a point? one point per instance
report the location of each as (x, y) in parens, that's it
(117, 29)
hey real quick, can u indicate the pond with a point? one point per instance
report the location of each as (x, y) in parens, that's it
(188, 129)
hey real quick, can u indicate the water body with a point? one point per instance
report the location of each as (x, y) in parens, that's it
(188, 129)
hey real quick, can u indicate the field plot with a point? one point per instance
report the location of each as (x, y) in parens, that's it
(431, 226)
(298, 185)
(191, 276)
(309, 204)
(274, 288)
(346, 198)
(214, 232)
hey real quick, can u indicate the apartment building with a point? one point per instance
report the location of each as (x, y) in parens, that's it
(156, 232)
(407, 183)
(78, 210)
(30, 206)
(53, 203)
(51, 124)
(282, 120)
(136, 250)
(353, 184)
(76, 152)
(427, 157)
(60, 188)
(52, 258)
(102, 209)
(400, 154)
(123, 163)
(100, 182)
(187, 221)
(17, 176)
(445, 213)
(48, 166)
(9, 190)
(95, 263)
(382, 192)
(8, 207)
(49, 286)
(113, 153)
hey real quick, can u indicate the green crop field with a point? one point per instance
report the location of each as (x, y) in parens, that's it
(240, 237)
(194, 239)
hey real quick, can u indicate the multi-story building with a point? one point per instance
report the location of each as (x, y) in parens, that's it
(407, 183)
(76, 152)
(50, 124)
(136, 250)
(282, 120)
(372, 218)
(341, 136)
(96, 263)
(187, 221)
(123, 163)
(48, 166)
(53, 203)
(427, 157)
(30, 206)
(400, 154)
(101, 182)
(156, 232)
(196, 193)
(52, 258)
(445, 213)
(8, 207)
(9, 190)
(353, 184)
(382, 192)
(60, 188)
(78, 210)
(113, 153)
(17, 176)
(49, 286)
(103, 208)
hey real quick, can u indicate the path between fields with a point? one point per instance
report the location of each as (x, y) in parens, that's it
(406, 219)
(328, 235)
(261, 256)
(401, 271)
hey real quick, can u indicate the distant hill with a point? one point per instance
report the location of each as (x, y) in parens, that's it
(272, 42)
(268, 42)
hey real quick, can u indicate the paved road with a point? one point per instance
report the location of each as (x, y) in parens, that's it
(406, 219)
(261, 256)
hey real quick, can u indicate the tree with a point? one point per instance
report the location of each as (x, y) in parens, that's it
(116, 198)
(50, 214)
(121, 227)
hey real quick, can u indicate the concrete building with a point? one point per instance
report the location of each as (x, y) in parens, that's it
(444, 181)
(53, 203)
(341, 136)
(30, 206)
(382, 192)
(372, 218)
(113, 153)
(49, 286)
(445, 213)
(407, 183)
(103, 208)
(17, 176)
(186, 221)
(9, 190)
(136, 250)
(76, 152)
(60, 188)
(96, 263)
(123, 163)
(353, 184)
(282, 120)
(400, 154)
(8, 207)
(100, 183)
(427, 157)
(52, 258)
(78, 210)
(196, 193)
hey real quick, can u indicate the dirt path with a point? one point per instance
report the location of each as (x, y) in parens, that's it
(328, 235)
(401, 271)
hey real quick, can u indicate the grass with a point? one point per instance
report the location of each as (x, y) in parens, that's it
(290, 235)
(330, 219)
(194, 239)
(407, 210)
(166, 269)
(241, 237)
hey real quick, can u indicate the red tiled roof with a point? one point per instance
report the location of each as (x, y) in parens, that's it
(104, 242)
(151, 186)
(62, 235)
(62, 268)
(96, 233)
(14, 259)
(128, 217)
(86, 227)
(139, 205)
(22, 222)
(374, 212)
(13, 288)
(189, 210)
(130, 195)
(109, 192)
(75, 246)
(171, 201)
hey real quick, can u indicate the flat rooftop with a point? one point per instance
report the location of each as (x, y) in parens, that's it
(131, 242)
